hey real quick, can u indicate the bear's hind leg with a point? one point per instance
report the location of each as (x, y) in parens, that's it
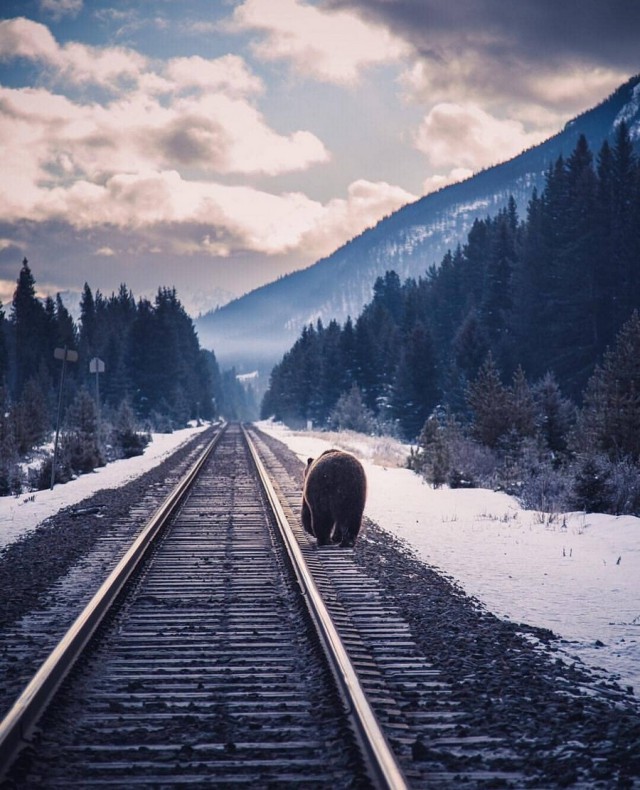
(323, 524)
(349, 533)
(306, 518)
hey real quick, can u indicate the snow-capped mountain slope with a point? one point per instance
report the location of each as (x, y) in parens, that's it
(255, 330)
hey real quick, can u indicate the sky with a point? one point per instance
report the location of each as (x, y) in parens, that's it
(216, 145)
(576, 574)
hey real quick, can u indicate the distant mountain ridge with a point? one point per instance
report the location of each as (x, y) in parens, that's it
(256, 329)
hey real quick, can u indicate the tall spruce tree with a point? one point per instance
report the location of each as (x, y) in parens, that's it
(610, 418)
(4, 350)
(29, 321)
(489, 402)
(415, 387)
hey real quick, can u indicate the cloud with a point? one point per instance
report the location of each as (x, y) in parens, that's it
(327, 46)
(465, 136)
(60, 8)
(78, 63)
(341, 219)
(22, 38)
(165, 212)
(189, 114)
(558, 55)
(228, 74)
(438, 181)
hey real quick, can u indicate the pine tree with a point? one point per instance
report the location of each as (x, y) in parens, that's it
(4, 351)
(31, 416)
(29, 326)
(80, 446)
(10, 477)
(611, 413)
(470, 346)
(555, 414)
(496, 308)
(88, 320)
(489, 400)
(351, 414)
(333, 379)
(521, 405)
(624, 230)
(415, 388)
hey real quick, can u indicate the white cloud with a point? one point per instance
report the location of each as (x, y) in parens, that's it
(105, 67)
(330, 46)
(465, 136)
(78, 63)
(22, 38)
(151, 159)
(228, 74)
(60, 8)
(438, 181)
(343, 218)
(50, 138)
(572, 89)
(194, 114)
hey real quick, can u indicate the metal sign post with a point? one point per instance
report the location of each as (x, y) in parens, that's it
(97, 366)
(66, 355)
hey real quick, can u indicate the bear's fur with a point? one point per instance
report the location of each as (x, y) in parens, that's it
(333, 497)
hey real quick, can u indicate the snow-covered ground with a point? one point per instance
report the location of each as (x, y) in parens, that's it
(576, 574)
(20, 514)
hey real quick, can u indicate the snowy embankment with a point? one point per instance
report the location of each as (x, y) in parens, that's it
(576, 574)
(19, 515)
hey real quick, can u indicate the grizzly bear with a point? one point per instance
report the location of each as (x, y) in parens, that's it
(333, 497)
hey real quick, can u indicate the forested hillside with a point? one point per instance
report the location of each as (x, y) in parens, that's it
(155, 377)
(503, 337)
(256, 329)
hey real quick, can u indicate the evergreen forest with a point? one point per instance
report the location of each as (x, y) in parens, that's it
(515, 362)
(155, 377)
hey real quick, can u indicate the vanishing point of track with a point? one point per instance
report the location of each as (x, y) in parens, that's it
(202, 666)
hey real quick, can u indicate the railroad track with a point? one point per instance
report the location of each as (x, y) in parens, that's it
(196, 664)
(213, 664)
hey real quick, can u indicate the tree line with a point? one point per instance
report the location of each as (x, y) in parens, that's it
(513, 340)
(156, 377)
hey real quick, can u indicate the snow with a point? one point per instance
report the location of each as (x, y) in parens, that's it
(576, 574)
(22, 514)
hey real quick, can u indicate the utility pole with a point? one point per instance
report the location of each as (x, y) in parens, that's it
(66, 355)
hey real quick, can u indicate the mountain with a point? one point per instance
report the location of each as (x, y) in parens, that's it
(256, 329)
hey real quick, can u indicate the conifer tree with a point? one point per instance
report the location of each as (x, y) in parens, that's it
(9, 470)
(555, 414)
(31, 414)
(489, 400)
(4, 351)
(29, 328)
(415, 387)
(351, 414)
(87, 321)
(80, 446)
(521, 405)
(611, 413)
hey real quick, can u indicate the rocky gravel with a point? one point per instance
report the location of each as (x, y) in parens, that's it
(566, 726)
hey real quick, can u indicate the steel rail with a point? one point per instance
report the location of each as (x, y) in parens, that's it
(18, 725)
(385, 770)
